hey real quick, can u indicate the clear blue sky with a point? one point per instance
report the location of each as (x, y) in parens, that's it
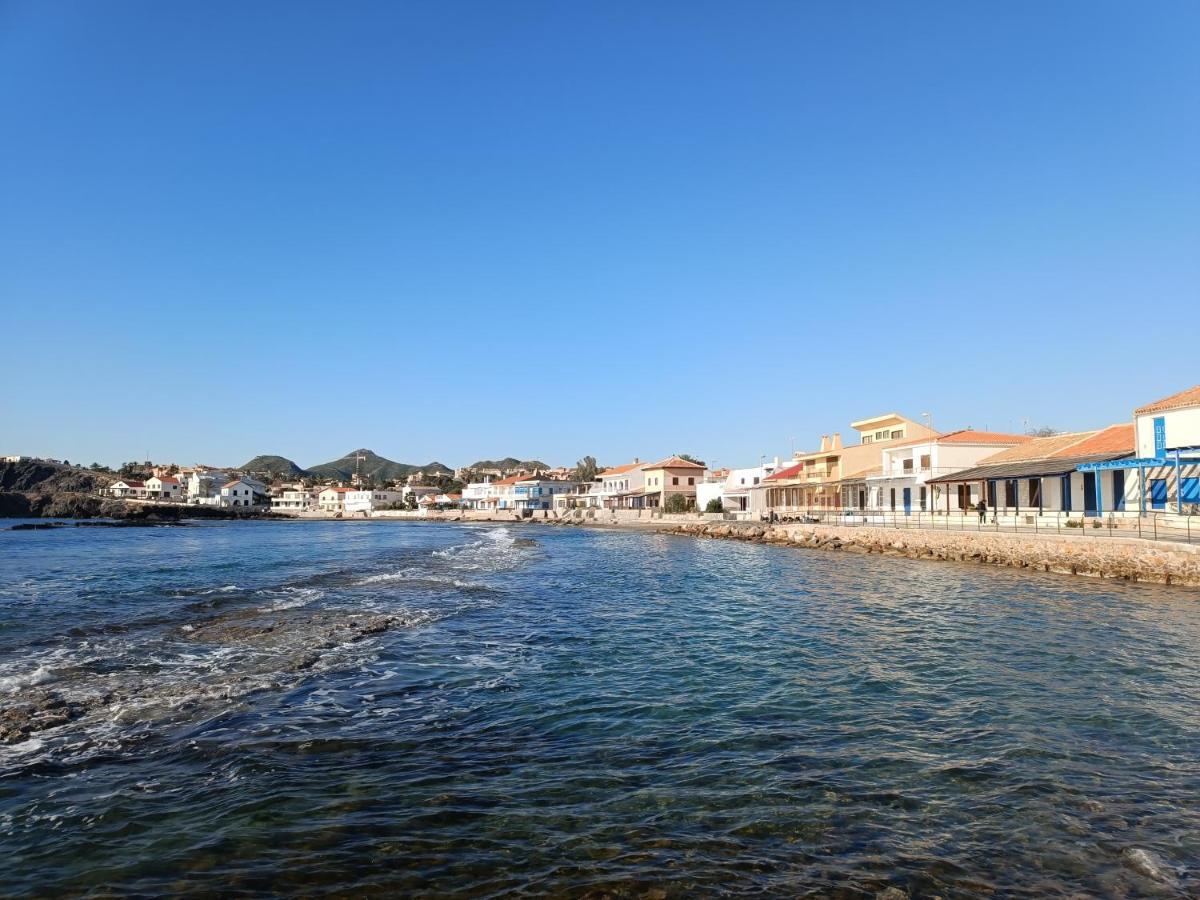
(450, 230)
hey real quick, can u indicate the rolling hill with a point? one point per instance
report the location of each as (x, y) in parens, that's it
(274, 466)
(373, 465)
(509, 462)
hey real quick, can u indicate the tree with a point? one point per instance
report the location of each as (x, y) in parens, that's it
(677, 503)
(586, 469)
(1042, 431)
(691, 458)
(714, 506)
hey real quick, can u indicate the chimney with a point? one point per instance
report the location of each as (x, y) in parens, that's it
(636, 460)
(837, 441)
(824, 442)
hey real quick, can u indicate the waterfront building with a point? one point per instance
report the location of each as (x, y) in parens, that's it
(201, 484)
(365, 501)
(243, 491)
(479, 495)
(538, 492)
(617, 487)
(1040, 476)
(900, 485)
(294, 499)
(332, 499)
(735, 488)
(418, 492)
(1163, 473)
(673, 475)
(163, 488)
(834, 477)
(127, 489)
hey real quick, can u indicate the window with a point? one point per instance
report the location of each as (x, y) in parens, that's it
(756, 479)
(1035, 492)
(1189, 490)
(897, 434)
(867, 439)
(674, 481)
(691, 481)
(893, 498)
(922, 497)
(908, 465)
(924, 460)
(1010, 493)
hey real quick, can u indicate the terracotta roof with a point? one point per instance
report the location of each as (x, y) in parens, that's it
(967, 436)
(1113, 439)
(789, 472)
(169, 480)
(675, 462)
(1189, 397)
(1038, 448)
(618, 470)
(512, 479)
(864, 473)
(130, 483)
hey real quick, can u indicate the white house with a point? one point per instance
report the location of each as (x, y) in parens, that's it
(165, 488)
(127, 488)
(294, 499)
(479, 495)
(735, 488)
(418, 491)
(538, 493)
(365, 501)
(200, 484)
(905, 468)
(333, 499)
(242, 491)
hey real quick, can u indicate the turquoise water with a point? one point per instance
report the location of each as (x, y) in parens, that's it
(407, 709)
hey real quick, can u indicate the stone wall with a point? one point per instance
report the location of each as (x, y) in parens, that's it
(1125, 559)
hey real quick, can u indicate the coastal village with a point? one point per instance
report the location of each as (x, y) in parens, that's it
(886, 466)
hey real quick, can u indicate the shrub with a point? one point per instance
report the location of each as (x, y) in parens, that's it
(676, 503)
(1074, 523)
(714, 506)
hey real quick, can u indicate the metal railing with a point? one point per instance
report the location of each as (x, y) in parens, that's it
(1157, 526)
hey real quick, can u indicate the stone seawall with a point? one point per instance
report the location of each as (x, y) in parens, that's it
(1116, 558)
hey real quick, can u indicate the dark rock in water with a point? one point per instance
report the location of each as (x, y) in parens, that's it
(524, 542)
(36, 526)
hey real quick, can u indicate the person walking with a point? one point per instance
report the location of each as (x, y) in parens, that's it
(981, 508)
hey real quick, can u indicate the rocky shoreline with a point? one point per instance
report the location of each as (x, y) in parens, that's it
(1117, 559)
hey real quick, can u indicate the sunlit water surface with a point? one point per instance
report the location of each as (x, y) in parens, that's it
(399, 709)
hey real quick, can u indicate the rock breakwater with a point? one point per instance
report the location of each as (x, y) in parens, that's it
(1114, 558)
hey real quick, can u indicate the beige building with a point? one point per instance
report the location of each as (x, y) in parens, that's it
(835, 476)
(673, 475)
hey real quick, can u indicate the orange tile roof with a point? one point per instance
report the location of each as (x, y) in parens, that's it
(967, 436)
(675, 462)
(512, 479)
(1113, 439)
(618, 470)
(1188, 397)
(1038, 448)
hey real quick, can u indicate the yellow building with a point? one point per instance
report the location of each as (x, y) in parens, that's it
(834, 476)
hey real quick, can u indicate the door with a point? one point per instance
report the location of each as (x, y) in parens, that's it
(1158, 493)
(1119, 490)
(1089, 493)
(1066, 493)
(908, 501)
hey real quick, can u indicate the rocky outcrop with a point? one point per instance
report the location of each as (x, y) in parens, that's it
(1115, 558)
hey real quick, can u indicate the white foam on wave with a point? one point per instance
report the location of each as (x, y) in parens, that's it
(292, 597)
(496, 550)
(10, 684)
(415, 575)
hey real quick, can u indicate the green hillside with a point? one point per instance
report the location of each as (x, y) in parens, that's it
(509, 462)
(275, 466)
(372, 465)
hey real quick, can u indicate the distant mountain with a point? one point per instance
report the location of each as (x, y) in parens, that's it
(509, 462)
(275, 466)
(372, 465)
